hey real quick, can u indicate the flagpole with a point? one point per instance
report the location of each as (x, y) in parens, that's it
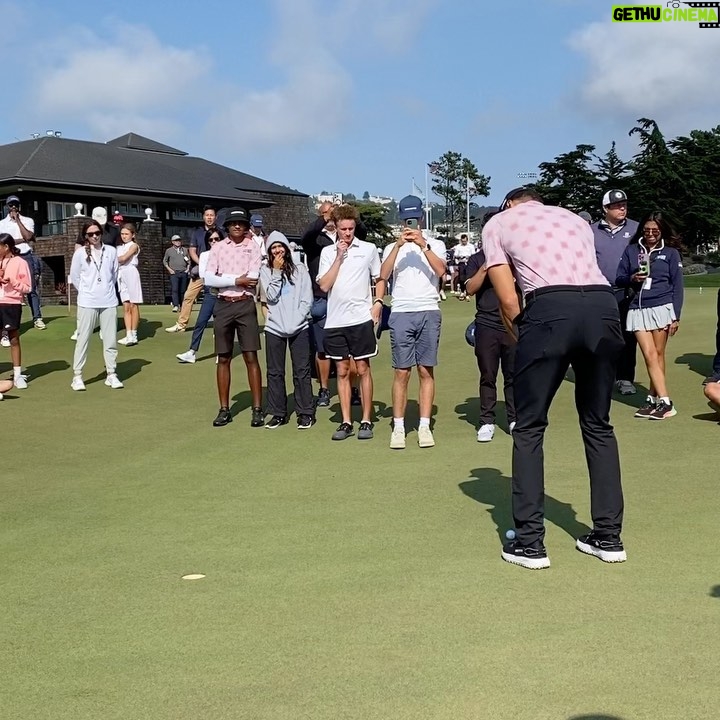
(467, 201)
(428, 212)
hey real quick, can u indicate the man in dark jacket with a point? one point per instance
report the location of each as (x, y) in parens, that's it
(612, 235)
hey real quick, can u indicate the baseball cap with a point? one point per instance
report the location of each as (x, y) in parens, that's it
(585, 216)
(515, 192)
(175, 237)
(614, 196)
(410, 207)
(13, 199)
(236, 214)
(256, 220)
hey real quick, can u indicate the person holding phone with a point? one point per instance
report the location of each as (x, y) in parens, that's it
(416, 263)
(651, 266)
(234, 268)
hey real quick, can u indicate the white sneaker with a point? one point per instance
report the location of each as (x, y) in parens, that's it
(186, 357)
(20, 382)
(131, 340)
(512, 427)
(77, 383)
(73, 337)
(443, 296)
(425, 437)
(5, 341)
(112, 381)
(124, 341)
(175, 329)
(397, 439)
(486, 433)
(39, 324)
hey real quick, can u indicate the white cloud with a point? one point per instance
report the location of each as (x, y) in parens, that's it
(666, 71)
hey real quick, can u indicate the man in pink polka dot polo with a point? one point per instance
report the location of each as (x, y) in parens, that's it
(570, 318)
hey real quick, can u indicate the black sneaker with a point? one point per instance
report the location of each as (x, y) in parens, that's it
(711, 379)
(304, 422)
(532, 557)
(223, 417)
(344, 431)
(276, 421)
(662, 411)
(323, 398)
(646, 410)
(366, 431)
(355, 397)
(258, 417)
(608, 548)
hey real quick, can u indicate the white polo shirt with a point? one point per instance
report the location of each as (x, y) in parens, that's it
(350, 299)
(9, 226)
(415, 284)
(463, 252)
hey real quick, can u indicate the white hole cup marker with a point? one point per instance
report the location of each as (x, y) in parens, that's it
(194, 576)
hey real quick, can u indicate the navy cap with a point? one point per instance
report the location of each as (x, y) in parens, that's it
(13, 199)
(409, 207)
(236, 214)
(256, 220)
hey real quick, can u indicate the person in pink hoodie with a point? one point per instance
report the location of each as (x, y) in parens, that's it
(14, 283)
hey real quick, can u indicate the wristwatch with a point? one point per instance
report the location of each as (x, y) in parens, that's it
(426, 248)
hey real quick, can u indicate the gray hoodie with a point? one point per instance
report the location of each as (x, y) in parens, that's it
(288, 303)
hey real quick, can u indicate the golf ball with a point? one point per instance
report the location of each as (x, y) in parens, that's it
(510, 534)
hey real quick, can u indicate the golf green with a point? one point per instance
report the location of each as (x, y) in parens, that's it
(343, 580)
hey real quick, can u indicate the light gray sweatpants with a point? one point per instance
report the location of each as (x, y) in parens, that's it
(87, 320)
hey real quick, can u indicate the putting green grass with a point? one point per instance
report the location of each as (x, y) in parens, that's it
(343, 580)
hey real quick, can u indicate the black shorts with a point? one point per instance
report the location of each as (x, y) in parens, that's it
(10, 316)
(236, 318)
(356, 341)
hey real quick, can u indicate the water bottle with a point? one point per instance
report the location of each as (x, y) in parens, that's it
(643, 264)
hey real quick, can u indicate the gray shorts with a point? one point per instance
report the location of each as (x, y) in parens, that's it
(414, 338)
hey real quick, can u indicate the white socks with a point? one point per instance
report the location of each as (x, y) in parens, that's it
(17, 372)
(425, 422)
(399, 423)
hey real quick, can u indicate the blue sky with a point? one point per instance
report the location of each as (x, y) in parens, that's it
(349, 95)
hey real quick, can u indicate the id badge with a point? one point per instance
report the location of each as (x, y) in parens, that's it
(647, 284)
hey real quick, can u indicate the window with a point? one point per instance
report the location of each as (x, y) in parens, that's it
(61, 210)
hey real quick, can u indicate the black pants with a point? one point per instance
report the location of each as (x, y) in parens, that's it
(178, 285)
(716, 360)
(300, 358)
(628, 355)
(494, 348)
(462, 276)
(561, 327)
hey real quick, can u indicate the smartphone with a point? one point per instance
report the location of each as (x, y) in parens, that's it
(412, 223)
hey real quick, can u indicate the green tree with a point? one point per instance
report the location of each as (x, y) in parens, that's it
(366, 195)
(374, 217)
(452, 175)
(570, 180)
(349, 198)
(612, 172)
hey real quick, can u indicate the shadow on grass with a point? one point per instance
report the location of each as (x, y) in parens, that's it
(28, 324)
(147, 328)
(125, 370)
(708, 417)
(241, 401)
(490, 487)
(384, 412)
(595, 717)
(697, 362)
(469, 411)
(715, 592)
(42, 369)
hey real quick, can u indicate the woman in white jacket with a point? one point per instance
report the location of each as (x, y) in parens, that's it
(94, 274)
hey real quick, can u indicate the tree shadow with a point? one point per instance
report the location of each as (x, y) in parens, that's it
(125, 370)
(469, 411)
(715, 592)
(490, 487)
(147, 328)
(699, 363)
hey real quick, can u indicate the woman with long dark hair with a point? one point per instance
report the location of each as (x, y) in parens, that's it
(287, 291)
(207, 308)
(652, 267)
(94, 274)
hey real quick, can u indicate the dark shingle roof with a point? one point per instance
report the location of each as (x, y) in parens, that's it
(131, 163)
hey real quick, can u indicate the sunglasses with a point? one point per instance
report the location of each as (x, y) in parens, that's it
(93, 234)
(237, 222)
(214, 238)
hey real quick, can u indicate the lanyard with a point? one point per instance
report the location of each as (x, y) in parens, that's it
(98, 267)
